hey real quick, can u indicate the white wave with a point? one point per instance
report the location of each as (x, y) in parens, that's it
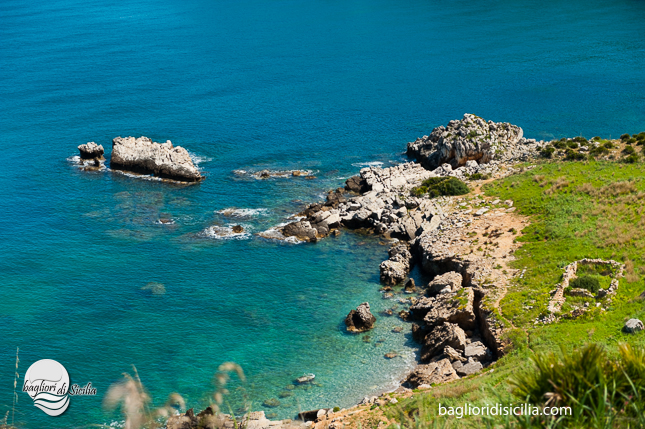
(368, 164)
(137, 176)
(233, 212)
(198, 159)
(275, 234)
(226, 232)
(82, 163)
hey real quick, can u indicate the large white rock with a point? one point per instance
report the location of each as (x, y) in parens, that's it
(163, 160)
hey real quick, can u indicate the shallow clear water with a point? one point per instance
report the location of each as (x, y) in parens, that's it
(251, 85)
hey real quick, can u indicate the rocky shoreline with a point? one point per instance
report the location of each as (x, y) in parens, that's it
(454, 316)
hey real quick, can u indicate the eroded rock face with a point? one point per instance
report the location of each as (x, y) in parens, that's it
(469, 368)
(448, 334)
(454, 308)
(91, 150)
(361, 319)
(144, 156)
(470, 138)
(301, 230)
(396, 268)
(448, 282)
(432, 373)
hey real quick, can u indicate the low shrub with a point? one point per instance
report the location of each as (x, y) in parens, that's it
(609, 145)
(572, 155)
(547, 152)
(478, 176)
(629, 150)
(599, 150)
(580, 140)
(631, 159)
(631, 141)
(559, 144)
(586, 282)
(625, 136)
(441, 186)
(573, 144)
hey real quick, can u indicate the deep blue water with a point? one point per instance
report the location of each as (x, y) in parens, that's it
(320, 85)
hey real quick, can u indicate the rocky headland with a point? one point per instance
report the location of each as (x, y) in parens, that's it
(454, 315)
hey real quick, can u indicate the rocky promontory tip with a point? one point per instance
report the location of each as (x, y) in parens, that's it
(144, 156)
(361, 319)
(471, 139)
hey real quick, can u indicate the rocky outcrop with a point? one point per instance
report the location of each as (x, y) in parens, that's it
(632, 326)
(432, 373)
(361, 319)
(454, 308)
(472, 139)
(445, 283)
(448, 334)
(396, 268)
(144, 156)
(384, 207)
(91, 150)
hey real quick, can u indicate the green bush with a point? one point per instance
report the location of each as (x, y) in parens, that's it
(559, 144)
(572, 155)
(609, 145)
(586, 282)
(624, 136)
(441, 186)
(629, 150)
(599, 150)
(547, 152)
(478, 176)
(631, 141)
(573, 144)
(631, 159)
(580, 140)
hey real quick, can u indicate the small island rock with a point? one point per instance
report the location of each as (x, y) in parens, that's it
(144, 156)
(361, 319)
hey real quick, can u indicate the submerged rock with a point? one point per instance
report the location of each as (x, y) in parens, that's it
(361, 319)
(144, 156)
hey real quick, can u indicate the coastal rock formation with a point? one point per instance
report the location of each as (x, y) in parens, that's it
(144, 156)
(91, 150)
(397, 267)
(385, 207)
(361, 319)
(454, 308)
(470, 139)
(448, 282)
(432, 373)
(448, 334)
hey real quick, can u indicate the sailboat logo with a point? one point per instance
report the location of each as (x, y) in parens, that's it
(47, 382)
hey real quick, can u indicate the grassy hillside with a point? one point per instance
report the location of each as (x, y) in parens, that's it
(590, 209)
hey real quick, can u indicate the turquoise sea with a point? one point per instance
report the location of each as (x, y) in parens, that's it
(320, 85)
